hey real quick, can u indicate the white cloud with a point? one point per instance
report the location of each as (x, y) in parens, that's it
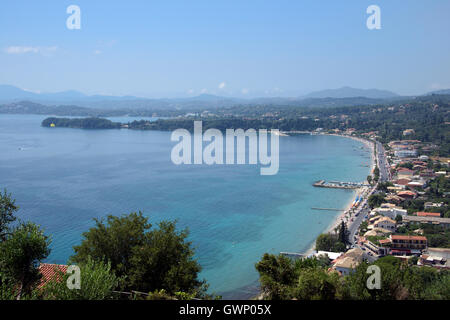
(97, 52)
(203, 90)
(30, 49)
(439, 86)
(244, 91)
(190, 91)
(222, 85)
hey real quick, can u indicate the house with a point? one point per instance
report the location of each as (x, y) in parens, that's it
(385, 223)
(445, 222)
(50, 271)
(377, 232)
(428, 214)
(407, 194)
(331, 255)
(402, 182)
(408, 132)
(390, 210)
(393, 198)
(417, 184)
(405, 153)
(401, 245)
(405, 172)
(348, 262)
(429, 205)
(427, 173)
(435, 257)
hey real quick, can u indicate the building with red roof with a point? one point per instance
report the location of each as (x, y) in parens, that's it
(428, 214)
(407, 194)
(51, 271)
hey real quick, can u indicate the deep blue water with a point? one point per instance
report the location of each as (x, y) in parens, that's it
(63, 178)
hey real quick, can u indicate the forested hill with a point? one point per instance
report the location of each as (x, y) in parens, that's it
(81, 123)
(427, 116)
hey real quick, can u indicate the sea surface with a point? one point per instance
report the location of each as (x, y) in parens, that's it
(62, 178)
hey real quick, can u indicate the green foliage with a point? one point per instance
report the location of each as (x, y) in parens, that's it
(277, 274)
(343, 234)
(375, 200)
(20, 255)
(282, 278)
(165, 261)
(376, 174)
(113, 241)
(81, 123)
(97, 283)
(330, 242)
(148, 259)
(316, 284)
(7, 209)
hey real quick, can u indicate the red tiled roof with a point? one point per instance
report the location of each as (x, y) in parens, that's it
(406, 193)
(428, 214)
(50, 271)
(400, 237)
(402, 182)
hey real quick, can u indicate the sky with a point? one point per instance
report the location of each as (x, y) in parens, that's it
(243, 48)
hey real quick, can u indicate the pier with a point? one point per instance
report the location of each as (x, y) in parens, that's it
(339, 184)
(327, 209)
(292, 255)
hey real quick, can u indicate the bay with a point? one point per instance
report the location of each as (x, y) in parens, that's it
(62, 178)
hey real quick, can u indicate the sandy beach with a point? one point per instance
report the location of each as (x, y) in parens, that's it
(361, 191)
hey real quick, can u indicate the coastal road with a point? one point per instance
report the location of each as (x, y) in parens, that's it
(382, 162)
(364, 209)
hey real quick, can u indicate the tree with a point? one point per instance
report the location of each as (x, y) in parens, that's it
(369, 179)
(376, 174)
(20, 255)
(7, 210)
(165, 261)
(149, 259)
(329, 242)
(343, 234)
(277, 275)
(316, 284)
(375, 200)
(97, 283)
(113, 241)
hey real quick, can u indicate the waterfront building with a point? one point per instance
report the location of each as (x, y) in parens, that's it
(435, 257)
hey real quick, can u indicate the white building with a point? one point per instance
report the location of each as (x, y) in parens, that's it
(404, 153)
(348, 262)
(385, 223)
(391, 211)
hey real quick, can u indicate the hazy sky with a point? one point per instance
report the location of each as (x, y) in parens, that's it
(246, 48)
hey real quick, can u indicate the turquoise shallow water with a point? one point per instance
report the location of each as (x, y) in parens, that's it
(62, 178)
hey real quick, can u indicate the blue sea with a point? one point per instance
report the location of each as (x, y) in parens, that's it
(63, 178)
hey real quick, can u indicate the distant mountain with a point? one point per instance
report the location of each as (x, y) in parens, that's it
(348, 92)
(444, 91)
(11, 94)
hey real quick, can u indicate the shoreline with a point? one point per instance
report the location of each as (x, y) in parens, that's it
(362, 191)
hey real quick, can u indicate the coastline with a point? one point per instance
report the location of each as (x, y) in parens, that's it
(362, 191)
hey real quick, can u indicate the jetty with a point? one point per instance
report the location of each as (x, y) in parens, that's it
(292, 255)
(339, 184)
(327, 209)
